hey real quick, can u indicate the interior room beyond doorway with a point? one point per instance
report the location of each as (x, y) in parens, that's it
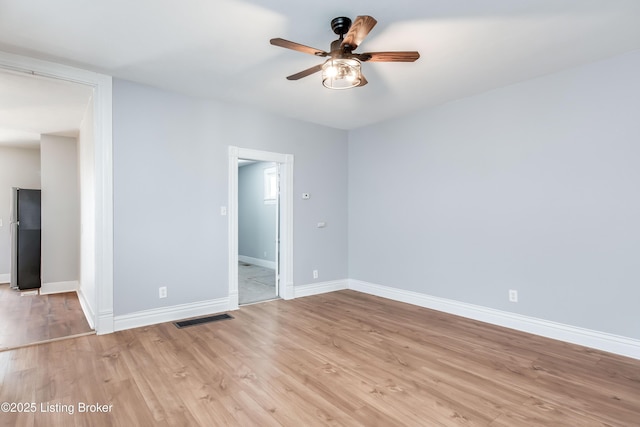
(258, 208)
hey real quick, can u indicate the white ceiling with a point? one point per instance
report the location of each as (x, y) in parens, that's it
(220, 49)
(31, 106)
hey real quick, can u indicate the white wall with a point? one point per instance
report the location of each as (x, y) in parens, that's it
(170, 179)
(19, 167)
(532, 187)
(60, 210)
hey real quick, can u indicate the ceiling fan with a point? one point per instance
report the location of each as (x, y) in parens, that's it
(342, 70)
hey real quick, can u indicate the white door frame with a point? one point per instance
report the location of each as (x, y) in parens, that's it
(286, 218)
(277, 225)
(99, 311)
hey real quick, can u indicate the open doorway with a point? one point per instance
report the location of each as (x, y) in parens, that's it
(258, 231)
(275, 192)
(96, 275)
(45, 130)
(46, 143)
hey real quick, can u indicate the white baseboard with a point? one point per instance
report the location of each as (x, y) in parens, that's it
(58, 287)
(257, 261)
(287, 291)
(233, 301)
(105, 323)
(5, 277)
(169, 314)
(86, 308)
(589, 338)
(319, 288)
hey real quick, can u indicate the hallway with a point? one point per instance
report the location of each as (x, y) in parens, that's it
(255, 283)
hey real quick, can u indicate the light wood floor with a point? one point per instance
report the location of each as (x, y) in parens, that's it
(342, 358)
(29, 319)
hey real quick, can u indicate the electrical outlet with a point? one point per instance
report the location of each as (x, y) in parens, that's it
(315, 274)
(513, 295)
(162, 292)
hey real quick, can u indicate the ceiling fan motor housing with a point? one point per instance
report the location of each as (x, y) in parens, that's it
(341, 25)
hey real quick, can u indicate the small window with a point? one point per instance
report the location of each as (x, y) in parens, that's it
(270, 186)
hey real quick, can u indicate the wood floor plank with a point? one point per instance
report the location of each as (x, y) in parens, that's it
(31, 319)
(344, 359)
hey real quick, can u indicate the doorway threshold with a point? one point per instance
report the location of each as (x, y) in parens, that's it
(258, 302)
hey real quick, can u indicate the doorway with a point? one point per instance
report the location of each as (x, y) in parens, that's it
(271, 273)
(96, 257)
(258, 231)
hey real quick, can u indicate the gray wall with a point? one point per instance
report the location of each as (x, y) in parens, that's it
(532, 187)
(256, 220)
(60, 209)
(171, 177)
(19, 167)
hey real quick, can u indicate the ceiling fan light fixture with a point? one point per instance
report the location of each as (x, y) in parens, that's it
(341, 73)
(342, 69)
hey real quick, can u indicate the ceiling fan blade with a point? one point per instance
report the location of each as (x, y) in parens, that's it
(363, 80)
(305, 73)
(297, 46)
(389, 56)
(358, 31)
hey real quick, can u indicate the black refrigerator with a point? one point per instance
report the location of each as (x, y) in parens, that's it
(25, 239)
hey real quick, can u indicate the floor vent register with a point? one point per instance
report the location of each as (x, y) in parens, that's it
(201, 320)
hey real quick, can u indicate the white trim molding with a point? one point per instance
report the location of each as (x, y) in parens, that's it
(59, 287)
(319, 288)
(586, 337)
(5, 278)
(170, 314)
(86, 309)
